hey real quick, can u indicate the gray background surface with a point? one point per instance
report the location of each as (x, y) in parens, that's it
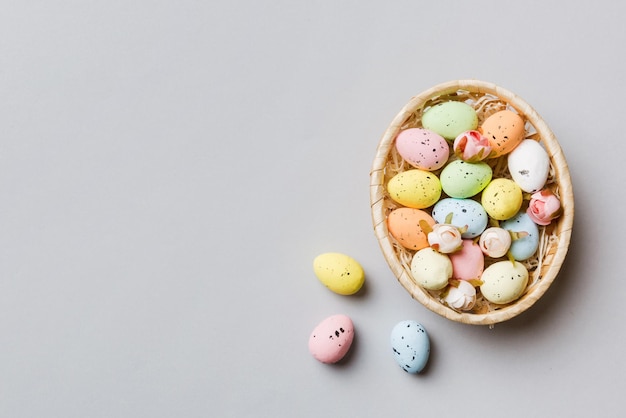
(169, 170)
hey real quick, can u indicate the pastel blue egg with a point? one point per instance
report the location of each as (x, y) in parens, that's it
(465, 212)
(411, 346)
(523, 248)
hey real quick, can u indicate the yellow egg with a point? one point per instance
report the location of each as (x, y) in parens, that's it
(504, 130)
(502, 199)
(417, 189)
(339, 272)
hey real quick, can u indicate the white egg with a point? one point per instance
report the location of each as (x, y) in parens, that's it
(529, 165)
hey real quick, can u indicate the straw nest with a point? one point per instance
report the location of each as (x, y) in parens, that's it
(486, 98)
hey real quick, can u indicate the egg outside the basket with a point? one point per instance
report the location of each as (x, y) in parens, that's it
(486, 98)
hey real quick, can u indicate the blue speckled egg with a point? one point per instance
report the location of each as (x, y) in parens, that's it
(465, 212)
(523, 248)
(411, 346)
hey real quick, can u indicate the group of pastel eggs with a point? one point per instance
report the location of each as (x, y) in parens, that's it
(451, 213)
(332, 338)
(464, 228)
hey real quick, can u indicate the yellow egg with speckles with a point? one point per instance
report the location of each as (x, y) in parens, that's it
(339, 272)
(416, 188)
(502, 199)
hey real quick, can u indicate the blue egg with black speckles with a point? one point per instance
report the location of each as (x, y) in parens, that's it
(465, 212)
(411, 346)
(522, 248)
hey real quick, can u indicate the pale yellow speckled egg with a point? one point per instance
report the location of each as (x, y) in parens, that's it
(504, 281)
(339, 272)
(416, 188)
(502, 199)
(431, 269)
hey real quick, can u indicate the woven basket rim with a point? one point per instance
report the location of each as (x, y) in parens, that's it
(563, 223)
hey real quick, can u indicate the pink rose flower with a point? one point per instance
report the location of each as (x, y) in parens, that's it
(462, 297)
(544, 206)
(445, 238)
(471, 146)
(495, 242)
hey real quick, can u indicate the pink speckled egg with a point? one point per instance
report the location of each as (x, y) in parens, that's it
(422, 148)
(331, 339)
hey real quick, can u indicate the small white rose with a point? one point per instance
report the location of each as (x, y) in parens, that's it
(462, 297)
(495, 242)
(445, 238)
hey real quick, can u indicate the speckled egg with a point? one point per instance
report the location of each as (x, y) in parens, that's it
(422, 148)
(502, 199)
(469, 262)
(339, 272)
(431, 269)
(504, 281)
(404, 226)
(504, 130)
(522, 248)
(332, 338)
(529, 165)
(411, 346)
(461, 179)
(449, 119)
(415, 188)
(465, 212)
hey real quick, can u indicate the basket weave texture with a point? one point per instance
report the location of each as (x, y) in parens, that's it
(487, 98)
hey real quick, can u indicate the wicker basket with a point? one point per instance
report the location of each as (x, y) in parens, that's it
(486, 98)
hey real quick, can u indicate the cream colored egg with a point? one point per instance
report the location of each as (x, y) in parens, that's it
(504, 282)
(431, 269)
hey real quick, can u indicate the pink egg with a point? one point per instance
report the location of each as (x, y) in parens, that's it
(422, 148)
(467, 263)
(331, 339)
